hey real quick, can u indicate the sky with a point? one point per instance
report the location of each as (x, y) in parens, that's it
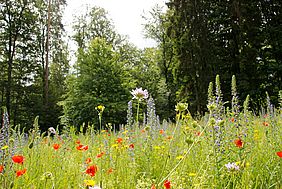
(125, 14)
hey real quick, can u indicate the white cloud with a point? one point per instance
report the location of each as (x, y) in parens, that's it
(126, 15)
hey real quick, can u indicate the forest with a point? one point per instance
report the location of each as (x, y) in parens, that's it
(196, 40)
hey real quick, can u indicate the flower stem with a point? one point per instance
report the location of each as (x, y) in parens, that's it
(137, 114)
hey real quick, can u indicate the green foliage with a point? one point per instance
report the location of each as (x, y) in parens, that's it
(219, 37)
(22, 61)
(98, 81)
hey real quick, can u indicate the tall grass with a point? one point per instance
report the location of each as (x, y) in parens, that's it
(190, 153)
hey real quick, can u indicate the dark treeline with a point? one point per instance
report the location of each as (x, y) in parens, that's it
(196, 41)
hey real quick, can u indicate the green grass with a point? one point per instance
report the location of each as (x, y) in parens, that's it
(185, 153)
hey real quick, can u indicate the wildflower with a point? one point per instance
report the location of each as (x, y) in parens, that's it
(140, 94)
(100, 155)
(161, 131)
(110, 170)
(239, 143)
(82, 147)
(153, 186)
(88, 160)
(89, 182)
(131, 146)
(179, 157)
(4, 147)
(167, 184)
(47, 175)
(100, 108)
(232, 166)
(56, 146)
(77, 141)
(169, 137)
(18, 159)
(52, 130)
(1, 168)
(192, 174)
(198, 133)
(20, 172)
(119, 140)
(115, 146)
(91, 170)
(232, 119)
(180, 107)
(265, 124)
(279, 154)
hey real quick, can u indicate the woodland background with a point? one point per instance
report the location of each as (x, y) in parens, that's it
(196, 41)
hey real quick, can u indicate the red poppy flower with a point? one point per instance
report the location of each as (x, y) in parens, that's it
(77, 141)
(91, 170)
(131, 146)
(198, 133)
(56, 146)
(1, 168)
(265, 124)
(279, 154)
(161, 131)
(88, 160)
(18, 159)
(82, 147)
(153, 187)
(119, 140)
(167, 184)
(20, 172)
(110, 170)
(232, 119)
(100, 155)
(239, 143)
(169, 137)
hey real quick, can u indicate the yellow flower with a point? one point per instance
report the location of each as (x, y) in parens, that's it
(115, 146)
(192, 174)
(4, 147)
(89, 182)
(100, 108)
(157, 147)
(179, 157)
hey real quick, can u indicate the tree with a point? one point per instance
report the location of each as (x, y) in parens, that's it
(98, 81)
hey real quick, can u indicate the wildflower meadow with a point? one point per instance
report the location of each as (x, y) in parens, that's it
(226, 148)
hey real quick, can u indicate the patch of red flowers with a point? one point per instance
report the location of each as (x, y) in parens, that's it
(82, 147)
(131, 146)
(1, 168)
(119, 140)
(88, 160)
(91, 170)
(167, 184)
(77, 141)
(20, 172)
(239, 143)
(100, 155)
(110, 170)
(56, 146)
(279, 154)
(18, 159)
(232, 119)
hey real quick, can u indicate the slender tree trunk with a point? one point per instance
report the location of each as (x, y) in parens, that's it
(46, 84)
